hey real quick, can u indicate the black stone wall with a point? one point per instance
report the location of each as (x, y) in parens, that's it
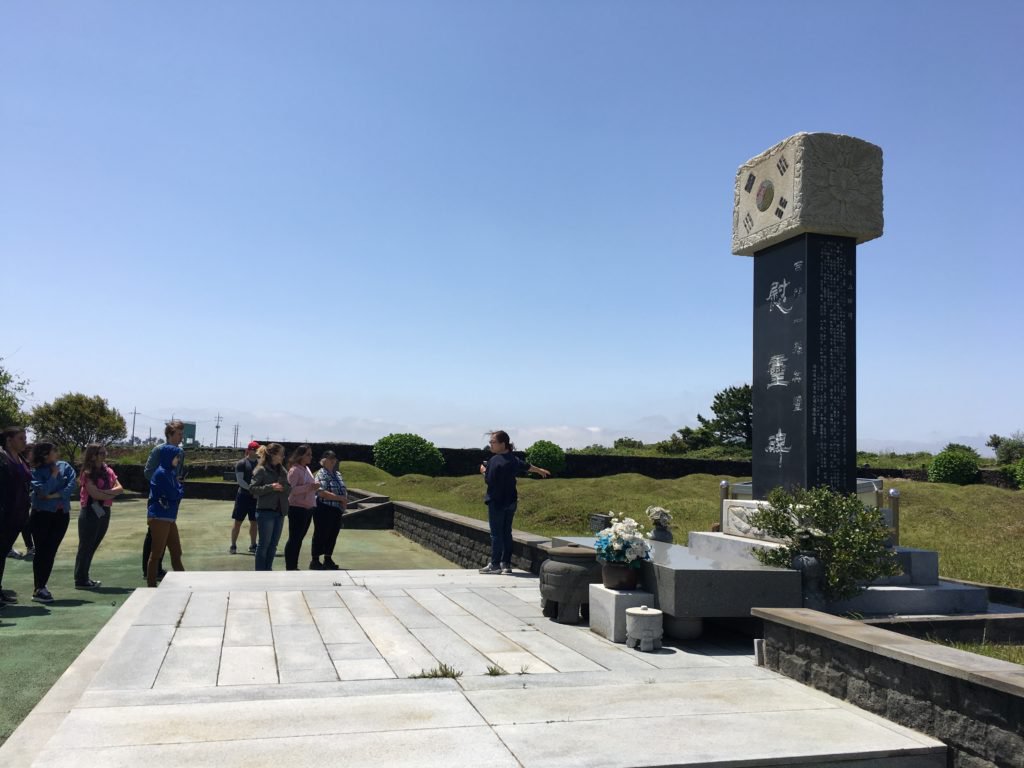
(463, 540)
(982, 725)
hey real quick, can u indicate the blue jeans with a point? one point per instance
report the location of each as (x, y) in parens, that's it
(269, 523)
(500, 518)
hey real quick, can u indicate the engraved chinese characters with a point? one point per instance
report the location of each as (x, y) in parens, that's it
(803, 383)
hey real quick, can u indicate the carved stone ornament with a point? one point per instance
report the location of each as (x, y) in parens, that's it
(736, 520)
(825, 183)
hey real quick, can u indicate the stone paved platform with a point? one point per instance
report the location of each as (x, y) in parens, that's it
(313, 668)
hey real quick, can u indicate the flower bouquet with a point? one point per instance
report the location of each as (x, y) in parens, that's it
(622, 543)
(659, 516)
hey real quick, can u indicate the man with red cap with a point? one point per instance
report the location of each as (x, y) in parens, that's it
(245, 502)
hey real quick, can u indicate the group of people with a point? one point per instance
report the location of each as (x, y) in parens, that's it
(270, 491)
(36, 490)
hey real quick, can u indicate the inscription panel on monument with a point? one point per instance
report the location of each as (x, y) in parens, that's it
(780, 370)
(832, 418)
(804, 379)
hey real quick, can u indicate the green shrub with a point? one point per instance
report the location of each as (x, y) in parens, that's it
(547, 455)
(848, 538)
(1019, 473)
(953, 466)
(407, 454)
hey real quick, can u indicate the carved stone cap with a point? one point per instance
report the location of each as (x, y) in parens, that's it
(825, 183)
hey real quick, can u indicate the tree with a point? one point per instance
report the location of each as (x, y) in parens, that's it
(733, 423)
(74, 420)
(1009, 450)
(12, 396)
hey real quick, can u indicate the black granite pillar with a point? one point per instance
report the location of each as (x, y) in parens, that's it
(805, 377)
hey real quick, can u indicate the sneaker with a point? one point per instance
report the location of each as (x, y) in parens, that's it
(90, 584)
(315, 565)
(233, 550)
(42, 595)
(252, 549)
(30, 552)
(15, 554)
(490, 568)
(330, 565)
(8, 596)
(506, 568)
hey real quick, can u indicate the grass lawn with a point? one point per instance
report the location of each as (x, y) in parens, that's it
(978, 530)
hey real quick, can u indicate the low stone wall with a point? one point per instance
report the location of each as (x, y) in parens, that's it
(972, 703)
(463, 540)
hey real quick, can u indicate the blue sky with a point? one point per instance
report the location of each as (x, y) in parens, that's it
(335, 220)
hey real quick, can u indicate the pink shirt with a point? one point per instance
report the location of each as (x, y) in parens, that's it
(303, 493)
(104, 483)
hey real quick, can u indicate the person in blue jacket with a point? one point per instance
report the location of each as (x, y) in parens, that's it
(165, 494)
(53, 484)
(500, 472)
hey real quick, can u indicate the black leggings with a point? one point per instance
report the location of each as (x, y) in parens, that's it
(48, 529)
(326, 524)
(298, 525)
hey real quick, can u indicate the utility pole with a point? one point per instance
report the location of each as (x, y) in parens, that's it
(135, 412)
(234, 443)
(216, 430)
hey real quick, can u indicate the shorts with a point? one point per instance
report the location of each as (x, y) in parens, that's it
(245, 506)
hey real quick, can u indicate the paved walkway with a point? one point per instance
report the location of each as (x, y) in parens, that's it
(313, 668)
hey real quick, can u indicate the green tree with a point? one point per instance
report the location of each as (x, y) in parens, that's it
(12, 396)
(74, 420)
(733, 423)
(1009, 450)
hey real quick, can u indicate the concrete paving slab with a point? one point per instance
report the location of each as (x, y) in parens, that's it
(247, 627)
(439, 748)
(364, 669)
(165, 607)
(334, 652)
(448, 648)
(139, 656)
(169, 724)
(486, 611)
(436, 602)
(254, 665)
(338, 625)
(288, 607)
(551, 652)
(402, 651)
(353, 651)
(816, 737)
(193, 659)
(409, 612)
(363, 603)
(206, 609)
(322, 598)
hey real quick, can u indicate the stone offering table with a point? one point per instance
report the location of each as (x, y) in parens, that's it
(688, 588)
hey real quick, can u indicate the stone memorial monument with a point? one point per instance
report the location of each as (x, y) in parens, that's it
(801, 208)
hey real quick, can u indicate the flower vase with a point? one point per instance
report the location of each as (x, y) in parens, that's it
(812, 579)
(619, 576)
(661, 533)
